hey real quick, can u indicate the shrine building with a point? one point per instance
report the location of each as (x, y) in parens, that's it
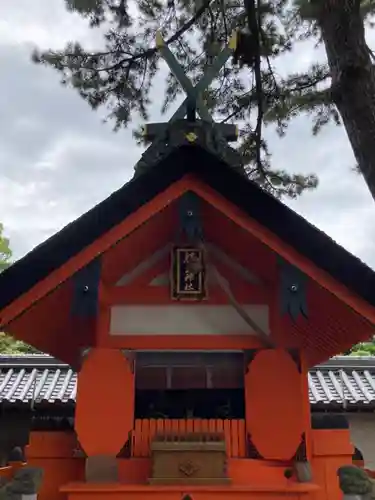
(193, 306)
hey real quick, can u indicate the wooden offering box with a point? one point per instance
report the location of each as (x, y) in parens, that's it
(189, 459)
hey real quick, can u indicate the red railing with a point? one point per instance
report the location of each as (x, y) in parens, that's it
(145, 430)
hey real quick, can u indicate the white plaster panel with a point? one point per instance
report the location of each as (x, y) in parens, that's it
(186, 320)
(362, 434)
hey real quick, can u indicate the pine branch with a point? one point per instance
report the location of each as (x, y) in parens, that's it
(176, 36)
(152, 51)
(120, 76)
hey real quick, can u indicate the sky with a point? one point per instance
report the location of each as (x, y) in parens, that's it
(58, 158)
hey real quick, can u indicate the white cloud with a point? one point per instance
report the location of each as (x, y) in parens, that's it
(42, 23)
(57, 159)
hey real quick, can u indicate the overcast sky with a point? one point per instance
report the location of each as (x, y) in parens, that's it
(57, 158)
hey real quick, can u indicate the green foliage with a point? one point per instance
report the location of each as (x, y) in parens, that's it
(363, 349)
(8, 345)
(5, 251)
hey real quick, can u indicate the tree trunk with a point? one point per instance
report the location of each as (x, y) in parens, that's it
(353, 78)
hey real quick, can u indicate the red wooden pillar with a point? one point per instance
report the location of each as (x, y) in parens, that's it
(306, 407)
(104, 413)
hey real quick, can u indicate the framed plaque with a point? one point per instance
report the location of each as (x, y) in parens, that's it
(188, 274)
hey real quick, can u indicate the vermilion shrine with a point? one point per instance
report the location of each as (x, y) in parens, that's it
(183, 301)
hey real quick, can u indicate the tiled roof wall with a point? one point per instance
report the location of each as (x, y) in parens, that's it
(47, 381)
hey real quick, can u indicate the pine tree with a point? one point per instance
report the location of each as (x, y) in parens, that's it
(248, 90)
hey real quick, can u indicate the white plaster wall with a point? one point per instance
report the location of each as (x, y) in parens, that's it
(186, 320)
(362, 432)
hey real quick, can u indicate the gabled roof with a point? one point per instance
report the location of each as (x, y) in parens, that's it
(251, 199)
(53, 384)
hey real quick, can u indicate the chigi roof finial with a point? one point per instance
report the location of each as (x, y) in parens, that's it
(194, 94)
(183, 127)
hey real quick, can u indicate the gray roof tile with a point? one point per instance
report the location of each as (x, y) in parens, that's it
(342, 381)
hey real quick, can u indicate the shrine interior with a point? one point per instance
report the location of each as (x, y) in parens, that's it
(195, 384)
